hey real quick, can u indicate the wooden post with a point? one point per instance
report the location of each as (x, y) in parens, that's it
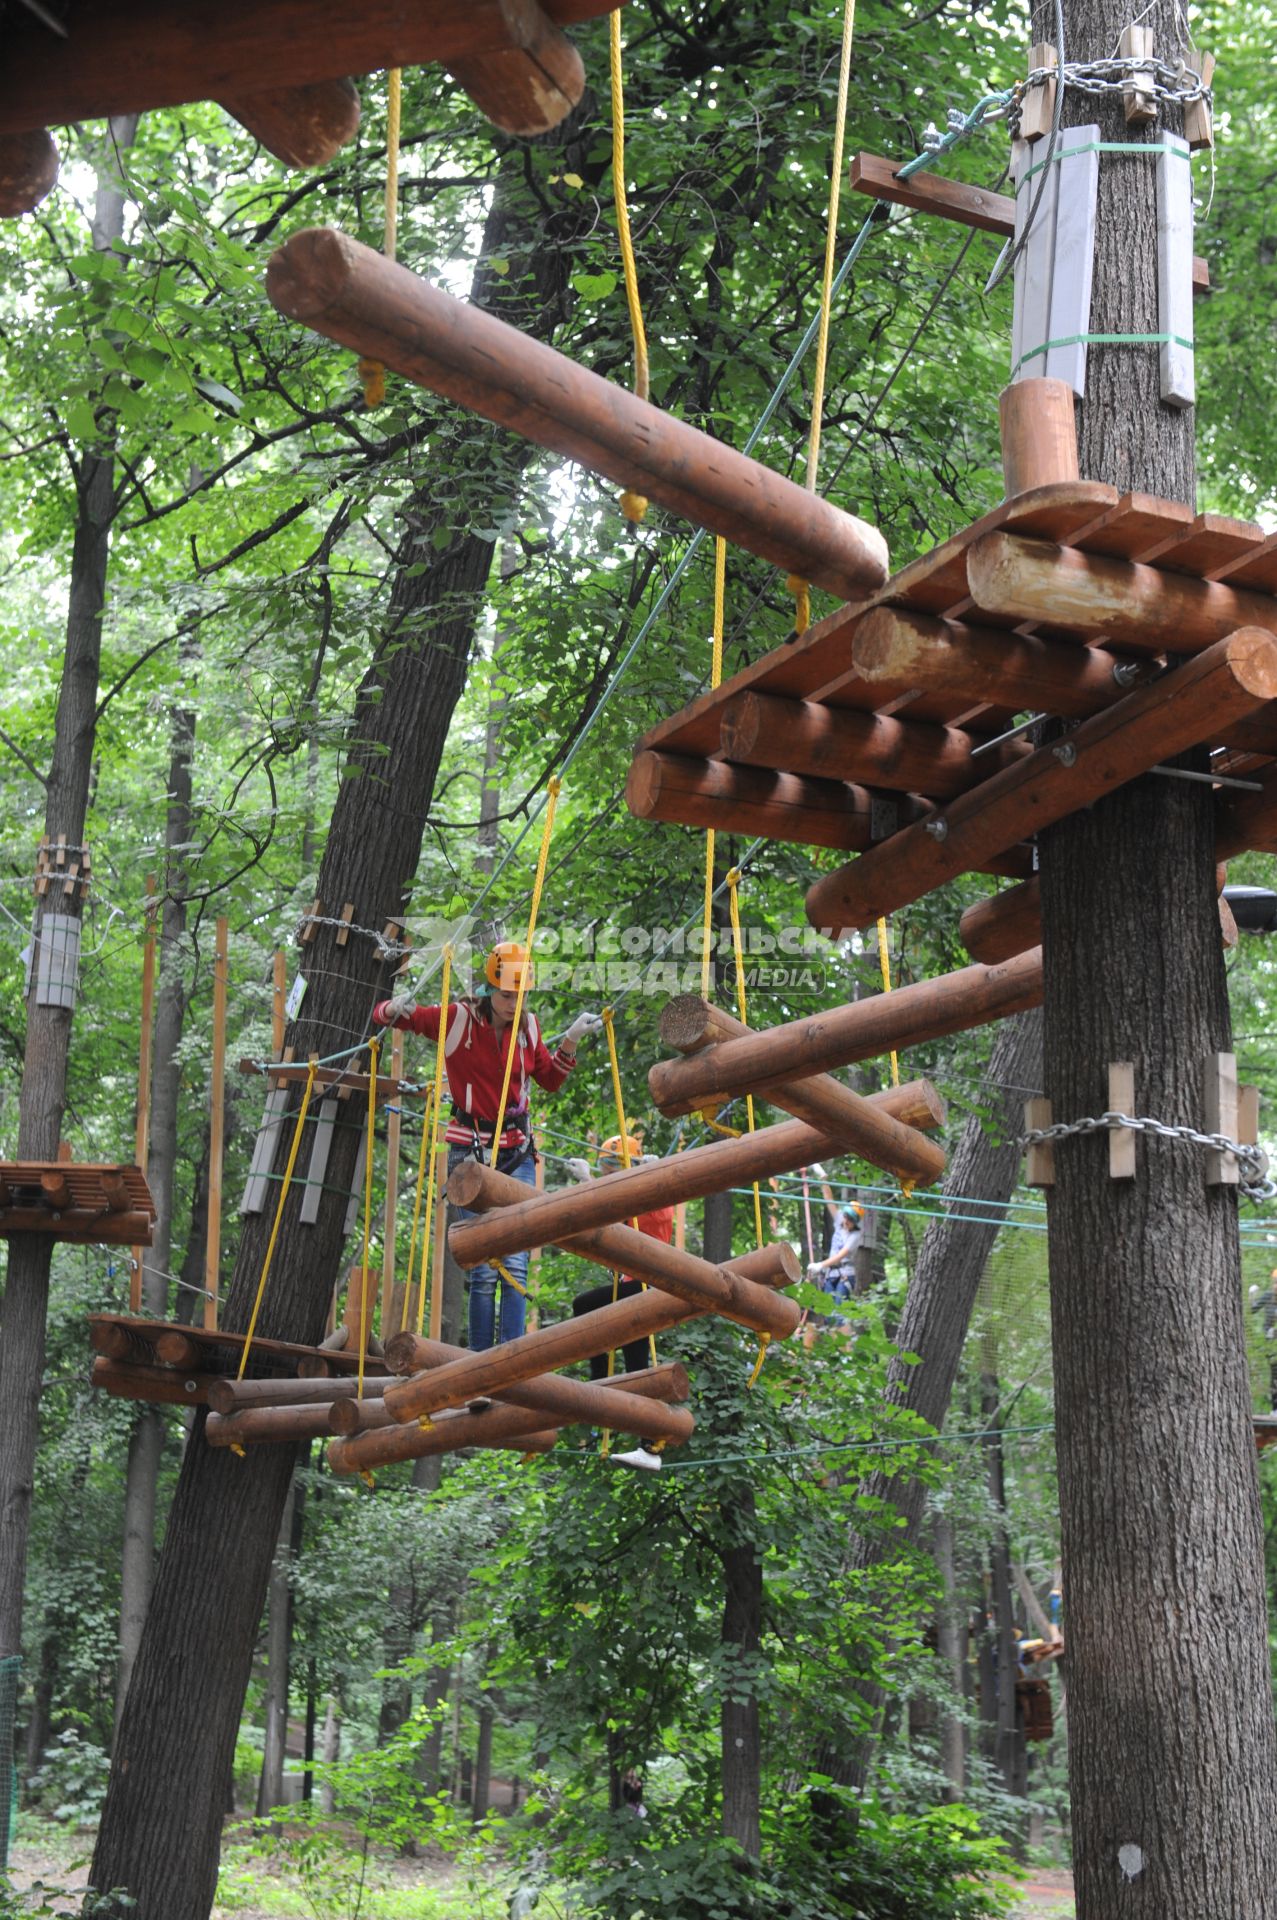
(602, 1331)
(216, 1127)
(1039, 439)
(803, 737)
(836, 1037)
(142, 1132)
(623, 1249)
(361, 1302)
(265, 1426)
(349, 293)
(1193, 703)
(393, 1120)
(279, 994)
(534, 1317)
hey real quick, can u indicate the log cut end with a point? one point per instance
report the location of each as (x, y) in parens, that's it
(401, 1353)
(686, 1022)
(302, 126)
(28, 171)
(1252, 660)
(311, 272)
(531, 85)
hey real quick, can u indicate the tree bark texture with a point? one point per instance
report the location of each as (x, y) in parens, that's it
(161, 1823)
(951, 1650)
(741, 1738)
(44, 1067)
(983, 1174)
(1008, 1749)
(279, 1642)
(1173, 1765)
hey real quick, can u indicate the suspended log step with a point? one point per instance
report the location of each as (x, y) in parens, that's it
(1195, 702)
(355, 296)
(157, 1386)
(780, 1062)
(279, 66)
(508, 1428)
(107, 1205)
(605, 1330)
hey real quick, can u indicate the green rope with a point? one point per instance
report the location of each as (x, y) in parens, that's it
(1105, 340)
(1106, 146)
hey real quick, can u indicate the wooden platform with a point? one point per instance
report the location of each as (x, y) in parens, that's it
(108, 1205)
(1115, 574)
(131, 1340)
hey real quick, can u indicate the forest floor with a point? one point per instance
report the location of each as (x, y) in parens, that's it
(50, 1865)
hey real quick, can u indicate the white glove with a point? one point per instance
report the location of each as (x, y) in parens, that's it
(814, 1269)
(650, 1160)
(579, 1169)
(583, 1024)
(399, 1007)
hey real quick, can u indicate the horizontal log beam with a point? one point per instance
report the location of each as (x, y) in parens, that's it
(753, 801)
(900, 652)
(969, 206)
(622, 1249)
(302, 126)
(28, 171)
(1193, 703)
(511, 1427)
(266, 1426)
(549, 1348)
(650, 1404)
(237, 1396)
(801, 736)
(1008, 923)
(836, 1037)
(80, 1226)
(157, 1386)
(1132, 605)
(124, 57)
(353, 295)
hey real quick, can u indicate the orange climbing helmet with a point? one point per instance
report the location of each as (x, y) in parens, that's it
(612, 1149)
(508, 967)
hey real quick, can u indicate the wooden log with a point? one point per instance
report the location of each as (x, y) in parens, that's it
(622, 1249)
(177, 1349)
(1039, 434)
(550, 1348)
(532, 83)
(1193, 703)
(955, 200)
(754, 801)
(125, 58)
(116, 1190)
(381, 310)
(302, 126)
(836, 1037)
(1130, 604)
(511, 1427)
(638, 1403)
(266, 1426)
(899, 651)
(28, 171)
(1006, 924)
(801, 736)
(115, 1342)
(689, 1176)
(56, 1189)
(239, 1396)
(157, 1386)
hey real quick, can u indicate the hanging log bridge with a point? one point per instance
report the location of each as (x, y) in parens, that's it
(105, 1205)
(279, 67)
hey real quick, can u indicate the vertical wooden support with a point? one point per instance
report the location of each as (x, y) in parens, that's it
(1121, 1139)
(279, 985)
(1220, 1102)
(1074, 259)
(1037, 110)
(393, 1123)
(1138, 96)
(1039, 1162)
(356, 1200)
(142, 1135)
(1199, 129)
(320, 1148)
(258, 1182)
(1033, 266)
(1039, 435)
(1248, 1116)
(361, 1307)
(216, 1129)
(1175, 271)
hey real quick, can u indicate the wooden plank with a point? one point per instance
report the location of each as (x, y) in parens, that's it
(896, 647)
(1037, 105)
(753, 801)
(278, 1001)
(1035, 262)
(1219, 1115)
(1121, 1099)
(1138, 521)
(1175, 270)
(1210, 543)
(157, 1386)
(1256, 568)
(392, 1194)
(1079, 177)
(802, 737)
(126, 56)
(263, 1160)
(1039, 1161)
(350, 294)
(1152, 724)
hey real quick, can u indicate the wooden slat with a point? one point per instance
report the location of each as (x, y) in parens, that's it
(1138, 521)
(1209, 543)
(1257, 569)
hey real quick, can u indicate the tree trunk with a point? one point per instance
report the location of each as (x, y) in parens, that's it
(949, 1646)
(1008, 1743)
(741, 1739)
(146, 1444)
(44, 1068)
(1173, 1763)
(330, 1752)
(279, 1642)
(161, 1823)
(483, 1759)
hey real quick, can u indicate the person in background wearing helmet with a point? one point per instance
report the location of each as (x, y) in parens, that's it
(660, 1225)
(836, 1273)
(476, 1048)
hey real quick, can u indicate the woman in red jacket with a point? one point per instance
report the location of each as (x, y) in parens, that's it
(476, 1048)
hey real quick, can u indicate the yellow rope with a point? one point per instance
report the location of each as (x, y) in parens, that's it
(715, 680)
(312, 1070)
(373, 372)
(884, 961)
(371, 1136)
(719, 1126)
(738, 954)
(436, 1095)
(553, 786)
(508, 1277)
(797, 586)
(633, 505)
(764, 1341)
(609, 1029)
(423, 1160)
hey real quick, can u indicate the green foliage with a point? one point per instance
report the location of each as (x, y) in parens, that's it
(71, 1782)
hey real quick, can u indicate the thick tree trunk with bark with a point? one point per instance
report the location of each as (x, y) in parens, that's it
(1171, 1745)
(279, 1644)
(161, 1825)
(951, 1650)
(741, 1738)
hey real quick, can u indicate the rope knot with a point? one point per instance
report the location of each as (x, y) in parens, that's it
(634, 507)
(373, 375)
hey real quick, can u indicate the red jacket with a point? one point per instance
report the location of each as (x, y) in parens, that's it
(475, 1066)
(659, 1224)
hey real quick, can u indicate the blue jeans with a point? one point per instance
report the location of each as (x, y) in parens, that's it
(485, 1328)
